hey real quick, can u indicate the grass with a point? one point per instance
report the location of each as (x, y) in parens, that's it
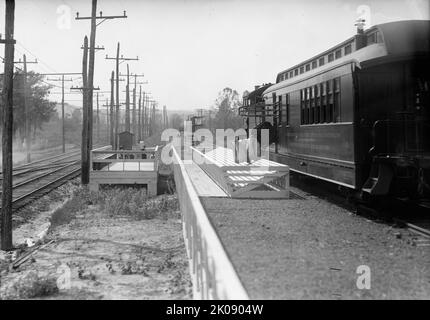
(118, 202)
(29, 285)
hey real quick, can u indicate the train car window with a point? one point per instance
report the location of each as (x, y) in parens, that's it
(296, 72)
(337, 110)
(314, 64)
(323, 102)
(321, 61)
(302, 69)
(312, 106)
(291, 74)
(317, 117)
(283, 114)
(372, 38)
(286, 76)
(278, 113)
(308, 67)
(330, 57)
(302, 106)
(338, 54)
(330, 101)
(337, 84)
(308, 106)
(347, 49)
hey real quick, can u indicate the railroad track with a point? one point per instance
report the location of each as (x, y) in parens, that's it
(45, 161)
(35, 188)
(33, 180)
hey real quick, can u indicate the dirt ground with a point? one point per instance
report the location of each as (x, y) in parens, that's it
(97, 253)
(311, 249)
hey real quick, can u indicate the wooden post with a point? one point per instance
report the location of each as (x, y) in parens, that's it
(26, 113)
(127, 102)
(107, 121)
(112, 135)
(139, 114)
(85, 147)
(7, 95)
(90, 86)
(63, 130)
(134, 111)
(97, 118)
(117, 117)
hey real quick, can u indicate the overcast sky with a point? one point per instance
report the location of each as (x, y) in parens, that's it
(190, 50)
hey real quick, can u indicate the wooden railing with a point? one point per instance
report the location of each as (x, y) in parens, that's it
(103, 158)
(213, 275)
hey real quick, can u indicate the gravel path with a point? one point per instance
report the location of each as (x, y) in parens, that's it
(310, 249)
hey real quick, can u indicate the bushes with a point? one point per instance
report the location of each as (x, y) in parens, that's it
(29, 285)
(131, 202)
(118, 202)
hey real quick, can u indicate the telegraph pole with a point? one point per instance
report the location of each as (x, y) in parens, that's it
(139, 117)
(112, 137)
(164, 117)
(85, 170)
(26, 111)
(98, 118)
(91, 72)
(107, 120)
(127, 102)
(117, 60)
(7, 97)
(27, 115)
(135, 129)
(90, 79)
(134, 121)
(63, 130)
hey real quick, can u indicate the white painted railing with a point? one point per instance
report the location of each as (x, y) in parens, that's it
(212, 273)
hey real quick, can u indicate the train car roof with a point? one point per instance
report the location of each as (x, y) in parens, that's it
(411, 36)
(399, 37)
(258, 92)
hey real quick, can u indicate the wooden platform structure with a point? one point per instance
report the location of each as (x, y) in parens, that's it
(259, 179)
(125, 167)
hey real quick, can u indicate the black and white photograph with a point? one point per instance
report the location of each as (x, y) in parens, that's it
(238, 151)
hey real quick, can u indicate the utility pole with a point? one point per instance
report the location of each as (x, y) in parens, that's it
(117, 59)
(165, 124)
(97, 118)
(135, 129)
(85, 170)
(26, 111)
(134, 122)
(7, 97)
(107, 120)
(117, 115)
(127, 102)
(139, 117)
(63, 130)
(90, 79)
(112, 137)
(27, 115)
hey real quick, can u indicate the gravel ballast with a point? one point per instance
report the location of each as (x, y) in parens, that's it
(311, 249)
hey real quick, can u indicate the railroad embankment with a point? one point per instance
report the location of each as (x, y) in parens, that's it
(113, 244)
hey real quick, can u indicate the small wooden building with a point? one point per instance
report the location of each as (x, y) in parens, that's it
(126, 140)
